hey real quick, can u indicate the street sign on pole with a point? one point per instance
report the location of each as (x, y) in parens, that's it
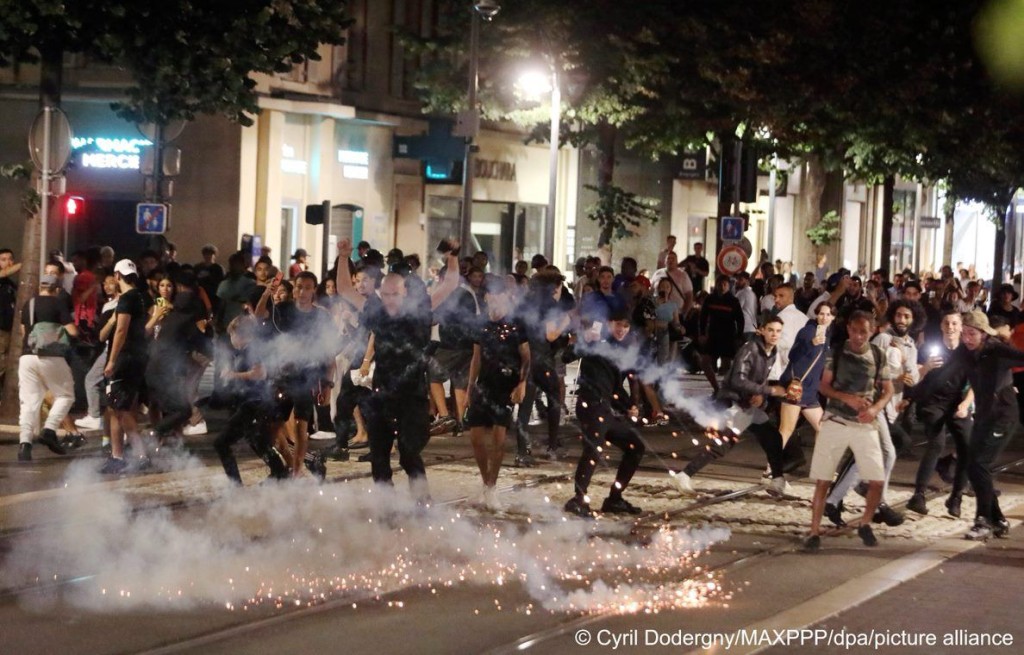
(730, 229)
(152, 218)
(57, 144)
(731, 260)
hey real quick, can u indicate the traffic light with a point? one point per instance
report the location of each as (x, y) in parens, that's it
(74, 207)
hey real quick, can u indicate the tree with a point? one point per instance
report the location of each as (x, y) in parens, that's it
(183, 58)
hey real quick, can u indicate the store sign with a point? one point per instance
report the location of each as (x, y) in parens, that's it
(355, 164)
(486, 169)
(289, 164)
(106, 152)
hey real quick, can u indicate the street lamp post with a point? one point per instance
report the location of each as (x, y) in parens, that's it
(556, 116)
(486, 9)
(535, 85)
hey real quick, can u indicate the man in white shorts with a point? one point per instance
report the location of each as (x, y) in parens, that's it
(858, 385)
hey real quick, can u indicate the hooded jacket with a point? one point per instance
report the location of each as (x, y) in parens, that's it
(748, 375)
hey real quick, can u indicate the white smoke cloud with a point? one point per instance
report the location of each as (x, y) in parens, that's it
(298, 543)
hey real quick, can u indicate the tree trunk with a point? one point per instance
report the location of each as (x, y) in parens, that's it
(997, 258)
(888, 189)
(808, 212)
(607, 135)
(49, 95)
(949, 209)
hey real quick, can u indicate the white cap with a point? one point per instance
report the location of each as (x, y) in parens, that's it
(126, 267)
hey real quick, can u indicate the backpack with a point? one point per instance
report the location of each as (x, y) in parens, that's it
(46, 338)
(876, 351)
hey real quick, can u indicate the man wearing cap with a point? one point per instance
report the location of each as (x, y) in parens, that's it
(42, 367)
(1002, 305)
(299, 265)
(988, 362)
(125, 369)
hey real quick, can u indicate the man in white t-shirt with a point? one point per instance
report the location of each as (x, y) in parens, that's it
(682, 288)
(792, 320)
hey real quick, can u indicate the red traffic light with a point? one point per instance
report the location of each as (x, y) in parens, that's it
(74, 206)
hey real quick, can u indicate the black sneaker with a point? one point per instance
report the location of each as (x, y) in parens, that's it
(812, 544)
(867, 535)
(442, 425)
(113, 466)
(619, 506)
(337, 453)
(579, 508)
(980, 532)
(49, 439)
(25, 452)
(73, 441)
(953, 505)
(917, 503)
(365, 457)
(524, 461)
(1001, 529)
(316, 465)
(142, 464)
(834, 513)
(887, 515)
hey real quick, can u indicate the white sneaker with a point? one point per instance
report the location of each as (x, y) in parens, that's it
(779, 487)
(89, 423)
(194, 430)
(683, 482)
(491, 500)
(321, 435)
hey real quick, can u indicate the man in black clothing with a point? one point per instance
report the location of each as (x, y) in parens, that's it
(301, 361)
(246, 378)
(943, 406)
(988, 362)
(458, 320)
(744, 395)
(607, 416)
(399, 324)
(721, 326)
(126, 365)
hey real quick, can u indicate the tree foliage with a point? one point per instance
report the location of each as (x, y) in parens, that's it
(184, 58)
(618, 213)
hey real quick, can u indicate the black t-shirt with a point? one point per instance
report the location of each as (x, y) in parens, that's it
(133, 304)
(8, 297)
(458, 320)
(400, 344)
(174, 337)
(47, 309)
(306, 344)
(242, 361)
(945, 385)
(500, 361)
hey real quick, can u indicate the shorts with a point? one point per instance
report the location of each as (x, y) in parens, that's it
(293, 398)
(449, 364)
(835, 436)
(126, 385)
(721, 347)
(488, 410)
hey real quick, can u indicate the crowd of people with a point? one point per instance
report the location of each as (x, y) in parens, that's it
(384, 359)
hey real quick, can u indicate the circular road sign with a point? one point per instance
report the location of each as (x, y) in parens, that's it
(60, 139)
(731, 260)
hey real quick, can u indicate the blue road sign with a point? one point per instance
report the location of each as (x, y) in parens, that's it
(151, 218)
(731, 229)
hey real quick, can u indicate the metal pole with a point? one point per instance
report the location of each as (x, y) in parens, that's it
(771, 205)
(44, 201)
(465, 230)
(556, 115)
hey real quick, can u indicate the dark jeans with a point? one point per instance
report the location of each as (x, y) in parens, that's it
(543, 379)
(768, 437)
(403, 419)
(937, 421)
(601, 426)
(986, 445)
(249, 422)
